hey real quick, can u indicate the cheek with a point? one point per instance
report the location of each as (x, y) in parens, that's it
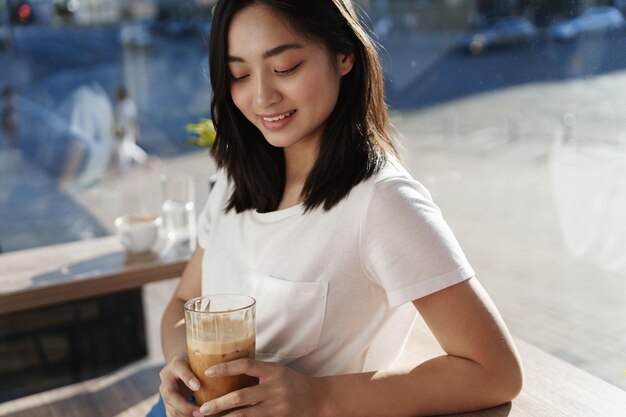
(321, 85)
(238, 94)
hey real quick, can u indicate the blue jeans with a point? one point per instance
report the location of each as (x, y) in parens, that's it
(158, 409)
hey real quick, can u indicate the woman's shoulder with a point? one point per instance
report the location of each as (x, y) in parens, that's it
(393, 169)
(395, 182)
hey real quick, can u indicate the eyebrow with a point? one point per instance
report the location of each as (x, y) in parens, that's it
(270, 52)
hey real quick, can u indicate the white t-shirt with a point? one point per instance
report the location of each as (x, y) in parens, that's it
(333, 289)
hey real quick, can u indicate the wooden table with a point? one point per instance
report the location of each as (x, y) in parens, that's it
(71, 295)
(45, 276)
(55, 274)
(552, 388)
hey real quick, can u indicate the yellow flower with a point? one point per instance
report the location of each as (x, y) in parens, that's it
(203, 133)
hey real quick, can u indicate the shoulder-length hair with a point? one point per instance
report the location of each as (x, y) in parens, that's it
(356, 140)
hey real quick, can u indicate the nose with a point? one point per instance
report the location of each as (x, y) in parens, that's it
(266, 93)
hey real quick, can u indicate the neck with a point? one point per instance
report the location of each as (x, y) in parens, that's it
(299, 160)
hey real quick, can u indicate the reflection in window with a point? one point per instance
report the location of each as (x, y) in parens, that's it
(511, 113)
(66, 125)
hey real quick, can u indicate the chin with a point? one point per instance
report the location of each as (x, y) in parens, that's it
(277, 141)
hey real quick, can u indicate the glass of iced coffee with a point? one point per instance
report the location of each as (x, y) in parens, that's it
(220, 328)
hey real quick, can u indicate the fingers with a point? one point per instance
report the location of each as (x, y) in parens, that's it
(245, 366)
(173, 411)
(175, 403)
(236, 399)
(180, 368)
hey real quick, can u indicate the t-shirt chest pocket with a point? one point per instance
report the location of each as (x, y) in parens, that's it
(289, 316)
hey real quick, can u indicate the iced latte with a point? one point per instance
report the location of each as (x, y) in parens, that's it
(220, 328)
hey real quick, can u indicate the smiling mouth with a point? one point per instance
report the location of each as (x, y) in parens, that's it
(280, 117)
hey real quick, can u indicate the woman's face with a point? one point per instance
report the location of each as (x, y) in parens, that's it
(283, 83)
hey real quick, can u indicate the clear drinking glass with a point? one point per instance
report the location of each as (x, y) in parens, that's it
(178, 192)
(220, 328)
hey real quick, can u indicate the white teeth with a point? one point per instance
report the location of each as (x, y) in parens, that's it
(277, 118)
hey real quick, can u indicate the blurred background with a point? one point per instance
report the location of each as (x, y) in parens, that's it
(511, 112)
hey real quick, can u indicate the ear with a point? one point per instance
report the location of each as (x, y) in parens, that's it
(345, 63)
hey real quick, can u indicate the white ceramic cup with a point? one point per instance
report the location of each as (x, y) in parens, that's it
(138, 232)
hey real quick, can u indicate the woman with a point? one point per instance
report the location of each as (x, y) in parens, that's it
(313, 215)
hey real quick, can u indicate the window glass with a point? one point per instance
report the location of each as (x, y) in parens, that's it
(93, 90)
(511, 113)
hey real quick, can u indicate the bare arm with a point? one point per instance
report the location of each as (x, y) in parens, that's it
(481, 368)
(172, 324)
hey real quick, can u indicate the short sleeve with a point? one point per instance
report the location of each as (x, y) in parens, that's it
(215, 203)
(406, 245)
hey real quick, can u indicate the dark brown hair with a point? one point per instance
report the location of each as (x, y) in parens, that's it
(356, 139)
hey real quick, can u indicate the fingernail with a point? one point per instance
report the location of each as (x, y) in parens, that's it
(206, 408)
(194, 385)
(211, 371)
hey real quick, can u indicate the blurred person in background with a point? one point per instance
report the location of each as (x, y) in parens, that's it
(127, 132)
(91, 124)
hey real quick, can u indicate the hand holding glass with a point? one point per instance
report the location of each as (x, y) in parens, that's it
(220, 328)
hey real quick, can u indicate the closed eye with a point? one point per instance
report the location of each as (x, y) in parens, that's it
(241, 78)
(289, 70)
